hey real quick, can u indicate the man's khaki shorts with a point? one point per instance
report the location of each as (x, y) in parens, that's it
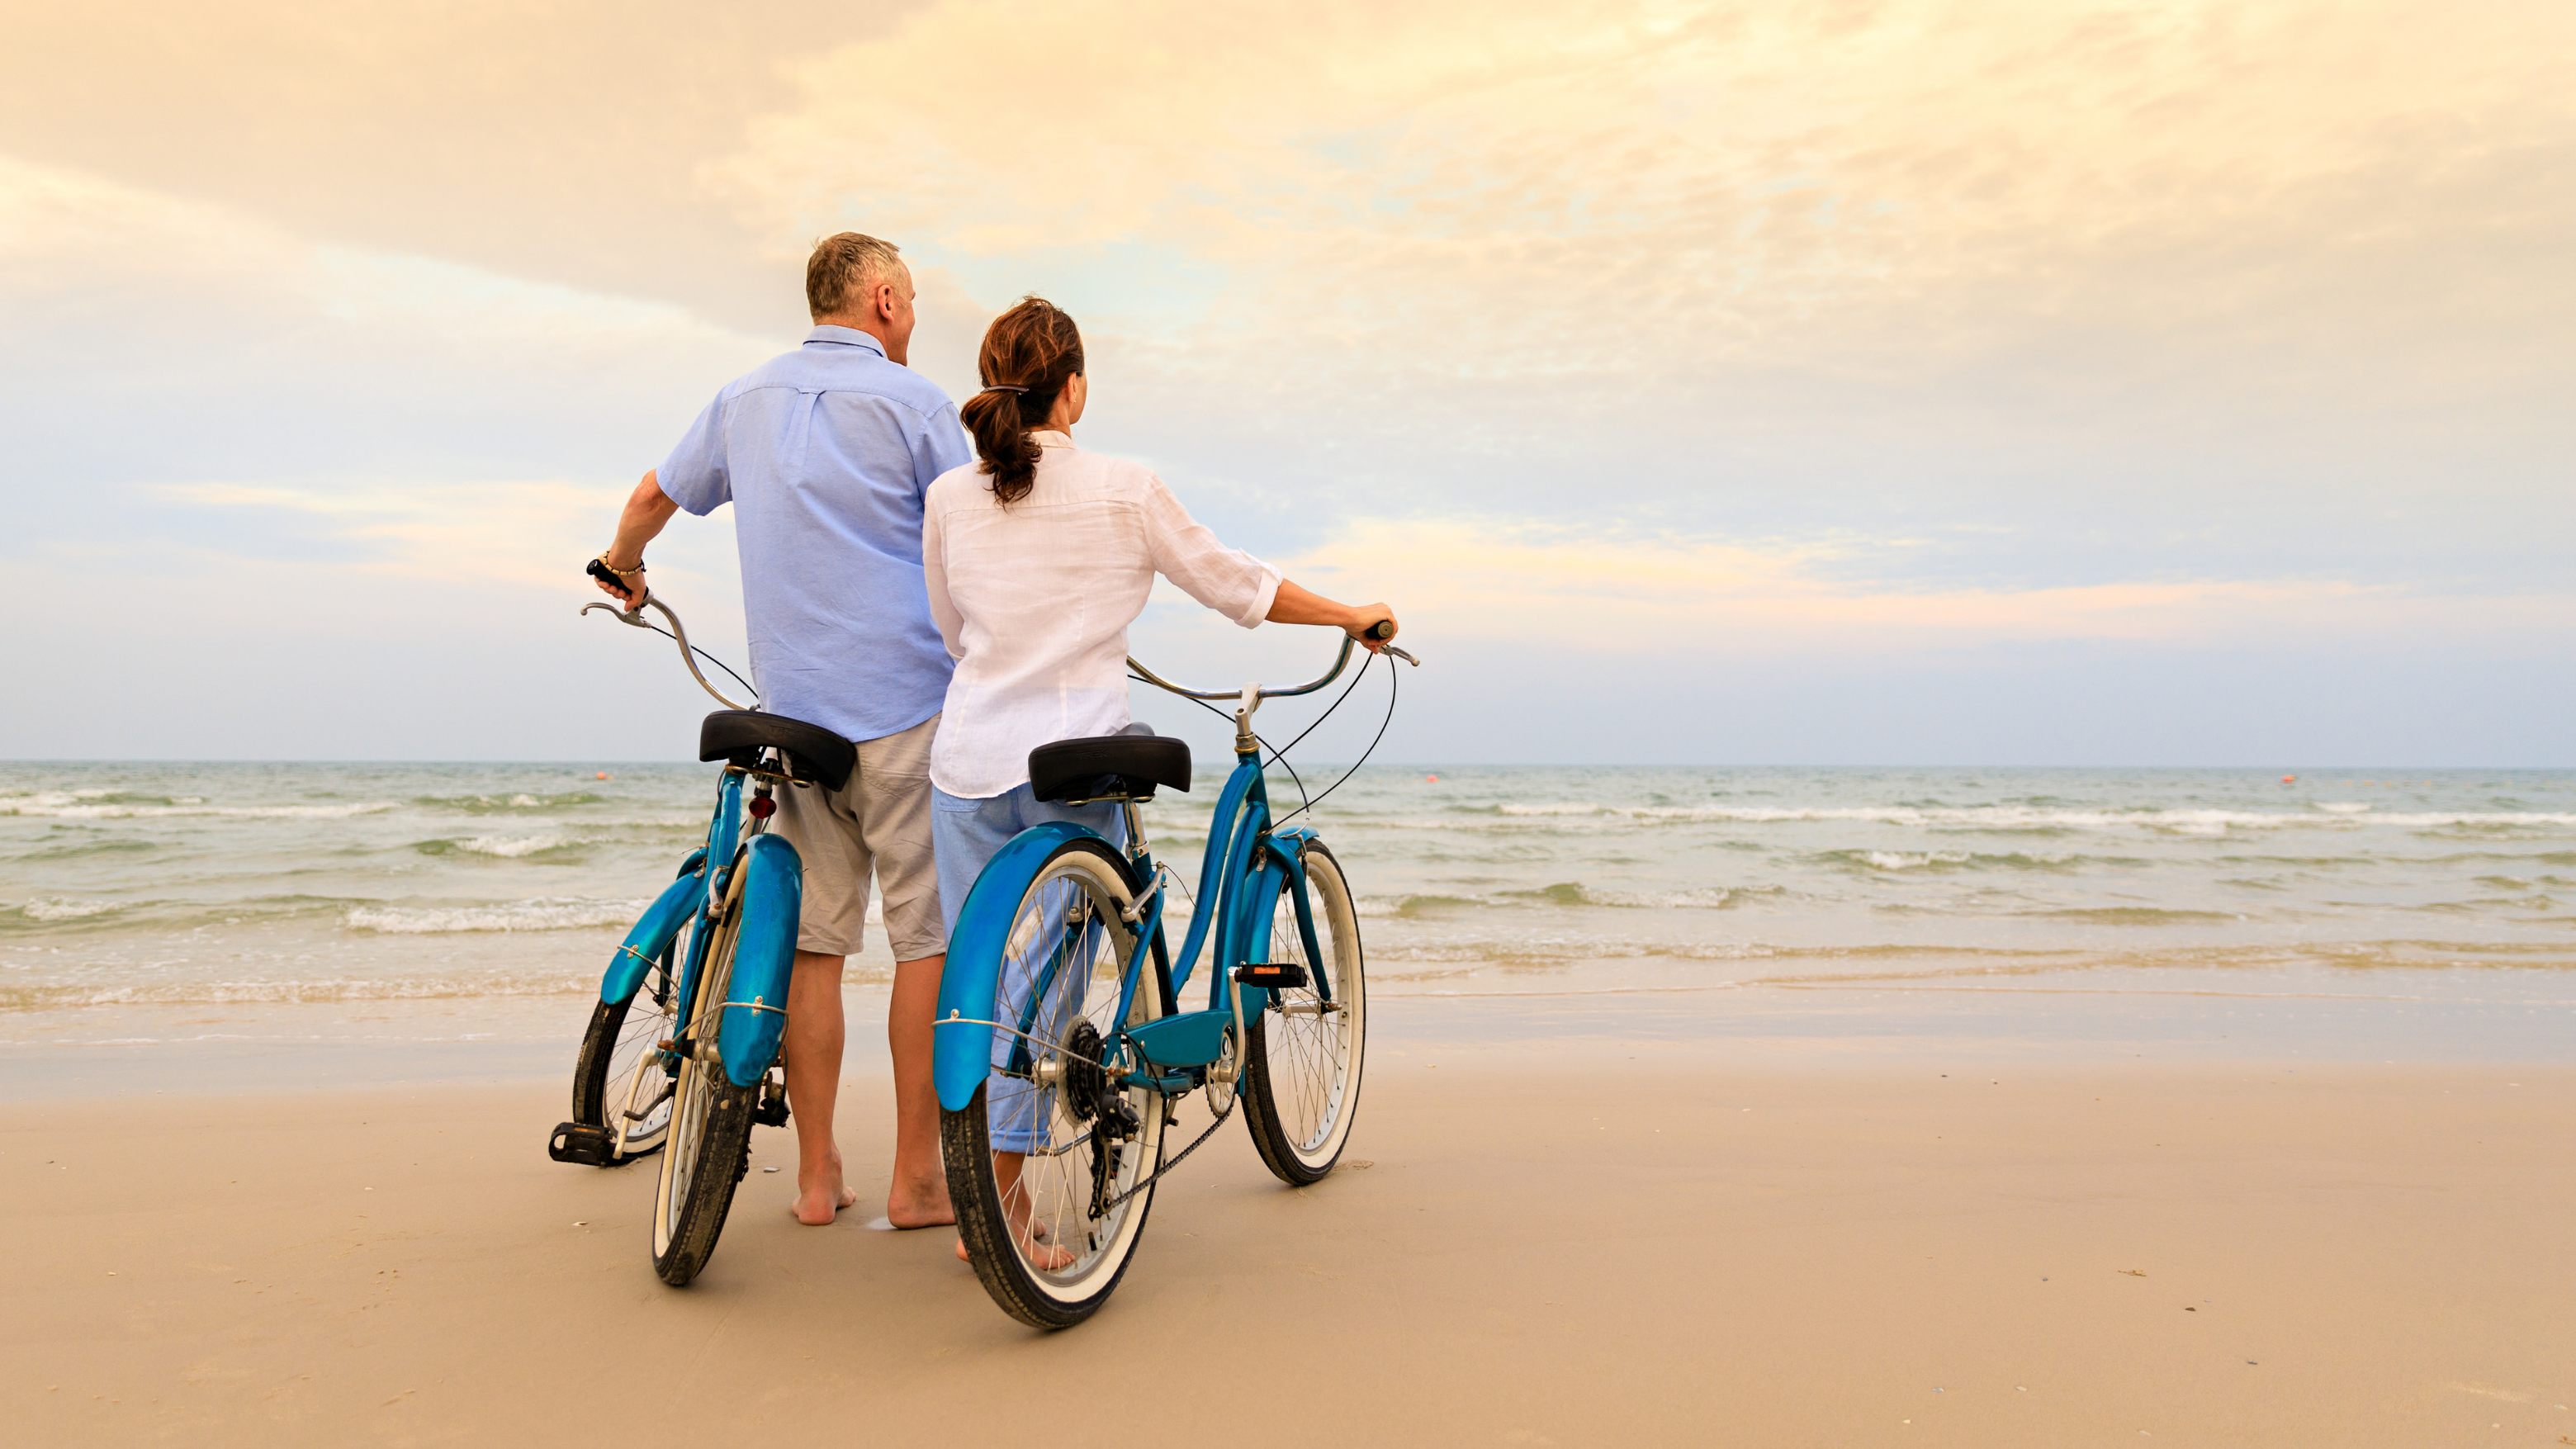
(880, 820)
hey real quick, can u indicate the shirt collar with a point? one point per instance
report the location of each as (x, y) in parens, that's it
(845, 337)
(1050, 438)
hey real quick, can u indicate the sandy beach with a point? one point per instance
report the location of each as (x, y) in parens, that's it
(1577, 1243)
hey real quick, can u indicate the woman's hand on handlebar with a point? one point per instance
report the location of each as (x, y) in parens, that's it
(1371, 624)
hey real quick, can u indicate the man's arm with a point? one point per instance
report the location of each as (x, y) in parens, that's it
(647, 509)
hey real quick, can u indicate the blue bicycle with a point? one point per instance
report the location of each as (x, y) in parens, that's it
(1061, 1047)
(682, 1050)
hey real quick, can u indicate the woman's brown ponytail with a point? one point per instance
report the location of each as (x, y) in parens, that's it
(1029, 354)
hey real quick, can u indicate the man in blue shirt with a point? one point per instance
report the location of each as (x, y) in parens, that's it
(825, 453)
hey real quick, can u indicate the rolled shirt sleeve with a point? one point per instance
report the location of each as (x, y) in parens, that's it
(694, 476)
(1228, 580)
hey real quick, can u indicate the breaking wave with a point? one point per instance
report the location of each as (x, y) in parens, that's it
(81, 805)
(2025, 817)
(561, 913)
(61, 910)
(288, 993)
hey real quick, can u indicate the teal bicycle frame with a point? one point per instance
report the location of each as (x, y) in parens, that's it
(1248, 865)
(765, 950)
(764, 954)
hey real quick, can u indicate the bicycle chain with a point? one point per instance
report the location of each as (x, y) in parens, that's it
(1171, 1162)
(1168, 1163)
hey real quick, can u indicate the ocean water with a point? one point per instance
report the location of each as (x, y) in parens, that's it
(144, 903)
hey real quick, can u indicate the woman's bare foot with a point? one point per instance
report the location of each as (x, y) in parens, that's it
(1034, 1246)
(821, 1196)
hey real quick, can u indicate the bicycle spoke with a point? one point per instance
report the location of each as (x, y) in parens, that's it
(1060, 1175)
(1309, 1049)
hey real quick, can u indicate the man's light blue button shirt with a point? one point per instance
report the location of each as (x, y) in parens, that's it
(825, 453)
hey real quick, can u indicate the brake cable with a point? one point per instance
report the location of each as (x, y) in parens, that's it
(1279, 753)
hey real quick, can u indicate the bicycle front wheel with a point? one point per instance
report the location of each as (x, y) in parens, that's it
(1050, 1164)
(622, 1080)
(1302, 1062)
(709, 1122)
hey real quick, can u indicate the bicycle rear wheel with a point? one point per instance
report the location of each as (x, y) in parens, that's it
(1302, 1062)
(622, 1079)
(710, 1122)
(1049, 1164)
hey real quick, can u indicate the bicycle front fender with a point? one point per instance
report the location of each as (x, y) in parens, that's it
(653, 933)
(961, 1052)
(764, 957)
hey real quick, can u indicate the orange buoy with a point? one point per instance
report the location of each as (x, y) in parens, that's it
(2289, 779)
(602, 775)
(1431, 779)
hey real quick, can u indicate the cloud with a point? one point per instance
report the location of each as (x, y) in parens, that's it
(154, 340)
(2149, 283)
(1539, 585)
(2045, 355)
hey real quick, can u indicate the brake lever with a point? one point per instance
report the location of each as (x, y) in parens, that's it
(634, 616)
(678, 635)
(1383, 630)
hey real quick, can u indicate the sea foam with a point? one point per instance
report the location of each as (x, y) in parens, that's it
(79, 805)
(546, 914)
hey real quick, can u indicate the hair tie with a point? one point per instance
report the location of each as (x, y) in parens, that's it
(1004, 387)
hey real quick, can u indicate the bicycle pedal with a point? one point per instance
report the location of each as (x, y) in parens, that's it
(771, 1109)
(1271, 973)
(580, 1142)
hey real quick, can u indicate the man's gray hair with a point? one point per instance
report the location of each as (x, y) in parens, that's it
(846, 270)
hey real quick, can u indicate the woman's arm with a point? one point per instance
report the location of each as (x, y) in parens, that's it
(934, 580)
(1299, 605)
(1235, 583)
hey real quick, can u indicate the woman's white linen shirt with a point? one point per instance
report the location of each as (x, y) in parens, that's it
(1034, 601)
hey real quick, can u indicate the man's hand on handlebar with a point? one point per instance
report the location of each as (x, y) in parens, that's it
(647, 509)
(628, 590)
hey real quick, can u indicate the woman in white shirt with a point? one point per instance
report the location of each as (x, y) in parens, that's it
(1038, 557)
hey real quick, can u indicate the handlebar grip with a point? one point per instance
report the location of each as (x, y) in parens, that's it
(1382, 630)
(606, 575)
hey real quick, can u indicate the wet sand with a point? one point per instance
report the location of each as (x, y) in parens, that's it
(1559, 1246)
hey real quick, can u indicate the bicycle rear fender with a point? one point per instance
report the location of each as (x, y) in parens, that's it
(654, 931)
(961, 1052)
(764, 956)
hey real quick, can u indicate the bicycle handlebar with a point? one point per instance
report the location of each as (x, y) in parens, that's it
(687, 655)
(1384, 629)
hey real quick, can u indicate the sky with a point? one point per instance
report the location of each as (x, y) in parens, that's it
(1981, 383)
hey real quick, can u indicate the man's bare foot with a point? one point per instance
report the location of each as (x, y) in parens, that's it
(821, 1196)
(921, 1204)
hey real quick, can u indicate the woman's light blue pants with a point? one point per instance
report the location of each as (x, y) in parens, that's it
(966, 835)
